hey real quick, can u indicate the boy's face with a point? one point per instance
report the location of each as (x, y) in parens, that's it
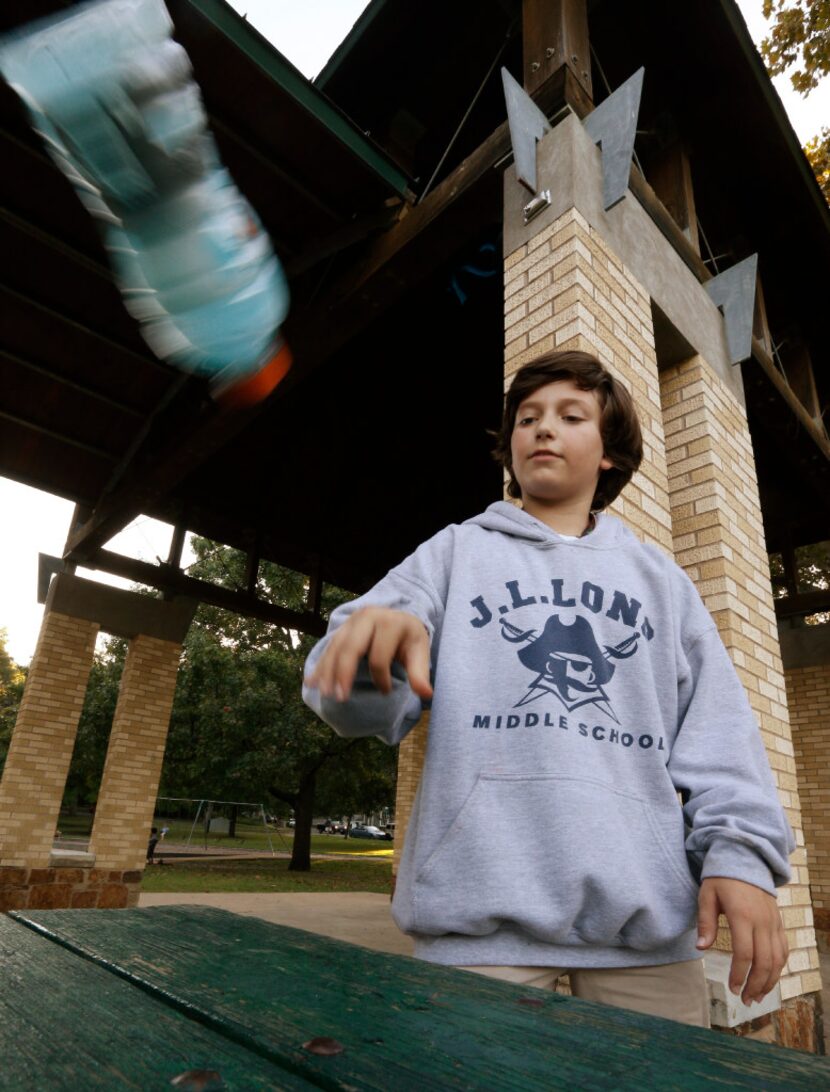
(557, 448)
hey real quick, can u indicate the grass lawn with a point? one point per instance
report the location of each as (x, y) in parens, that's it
(269, 875)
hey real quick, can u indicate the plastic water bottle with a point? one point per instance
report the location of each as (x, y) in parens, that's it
(113, 97)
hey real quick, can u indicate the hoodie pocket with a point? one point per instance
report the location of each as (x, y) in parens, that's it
(566, 860)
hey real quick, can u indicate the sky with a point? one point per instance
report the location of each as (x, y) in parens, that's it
(307, 33)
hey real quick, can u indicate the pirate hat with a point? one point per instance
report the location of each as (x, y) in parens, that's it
(576, 639)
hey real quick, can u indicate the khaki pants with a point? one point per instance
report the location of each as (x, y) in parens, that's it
(676, 991)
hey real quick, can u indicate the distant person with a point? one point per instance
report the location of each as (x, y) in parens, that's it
(151, 845)
(580, 686)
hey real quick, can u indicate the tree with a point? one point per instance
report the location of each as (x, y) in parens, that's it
(817, 151)
(12, 680)
(239, 729)
(800, 35)
(95, 725)
(812, 573)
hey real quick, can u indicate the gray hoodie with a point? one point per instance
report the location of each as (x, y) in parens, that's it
(579, 686)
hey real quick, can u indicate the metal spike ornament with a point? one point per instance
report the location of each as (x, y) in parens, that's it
(113, 98)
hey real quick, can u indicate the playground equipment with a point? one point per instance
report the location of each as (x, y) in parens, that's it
(205, 817)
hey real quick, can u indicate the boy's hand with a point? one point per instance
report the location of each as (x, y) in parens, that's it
(759, 943)
(381, 635)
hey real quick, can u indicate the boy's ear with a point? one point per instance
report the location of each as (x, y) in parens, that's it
(605, 463)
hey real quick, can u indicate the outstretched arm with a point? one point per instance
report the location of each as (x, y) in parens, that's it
(370, 674)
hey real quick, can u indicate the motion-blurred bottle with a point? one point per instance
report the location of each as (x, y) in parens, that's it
(113, 97)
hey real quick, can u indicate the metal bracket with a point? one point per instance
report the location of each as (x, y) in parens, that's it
(613, 125)
(733, 291)
(535, 205)
(527, 126)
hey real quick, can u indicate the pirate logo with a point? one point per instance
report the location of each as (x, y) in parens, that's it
(568, 662)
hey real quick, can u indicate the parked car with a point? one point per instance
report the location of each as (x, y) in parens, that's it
(370, 832)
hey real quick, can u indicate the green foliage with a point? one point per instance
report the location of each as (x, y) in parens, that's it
(12, 680)
(800, 34)
(812, 565)
(92, 740)
(239, 728)
(817, 151)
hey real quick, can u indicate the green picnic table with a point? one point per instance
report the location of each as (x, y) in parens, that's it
(202, 1000)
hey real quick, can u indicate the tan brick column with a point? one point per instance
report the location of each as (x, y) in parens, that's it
(132, 770)
(719, 541)
(410, 763)
(37, 764)
(566, 289)
(808, 698)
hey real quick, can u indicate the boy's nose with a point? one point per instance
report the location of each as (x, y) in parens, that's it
(544, 428)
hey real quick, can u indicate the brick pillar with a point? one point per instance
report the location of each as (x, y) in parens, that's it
(808, 698)
(410, 763)
(37, 764)
(564, 288)
(132, 770)
(719, 541)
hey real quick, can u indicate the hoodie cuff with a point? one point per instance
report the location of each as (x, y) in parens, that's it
(736, 861)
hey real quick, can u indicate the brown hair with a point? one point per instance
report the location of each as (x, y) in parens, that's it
(619, 425)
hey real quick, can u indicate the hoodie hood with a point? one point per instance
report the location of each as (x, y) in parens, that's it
(511, 520)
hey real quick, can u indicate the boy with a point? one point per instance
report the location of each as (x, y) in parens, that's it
(580, 685)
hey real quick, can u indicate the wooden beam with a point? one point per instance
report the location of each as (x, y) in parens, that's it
(147, 481)
(760, 322)
(798, 367)
(423, 238)
(555, 37)
(791, 606)
(670, 176)
(667, 225)
(172, 581)
(816, 433)
(315, 588)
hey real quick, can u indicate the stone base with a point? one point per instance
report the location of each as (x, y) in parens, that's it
(797, 1024)
(64, 887)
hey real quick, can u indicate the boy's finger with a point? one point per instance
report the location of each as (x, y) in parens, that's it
(414, 655)
(762, 966)
(354, 644)
(334, 673)
(707, 917)
(742, 953)
(780, 954)
(380, 656)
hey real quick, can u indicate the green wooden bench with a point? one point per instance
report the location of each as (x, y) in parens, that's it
(117, 999)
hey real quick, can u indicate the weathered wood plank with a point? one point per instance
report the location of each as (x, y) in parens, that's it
(405, 1024)
(66, 1024)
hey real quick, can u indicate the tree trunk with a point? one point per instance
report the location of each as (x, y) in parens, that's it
(303, 814)
(232, 821)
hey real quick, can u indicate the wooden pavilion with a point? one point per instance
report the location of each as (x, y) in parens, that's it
(389, 189)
